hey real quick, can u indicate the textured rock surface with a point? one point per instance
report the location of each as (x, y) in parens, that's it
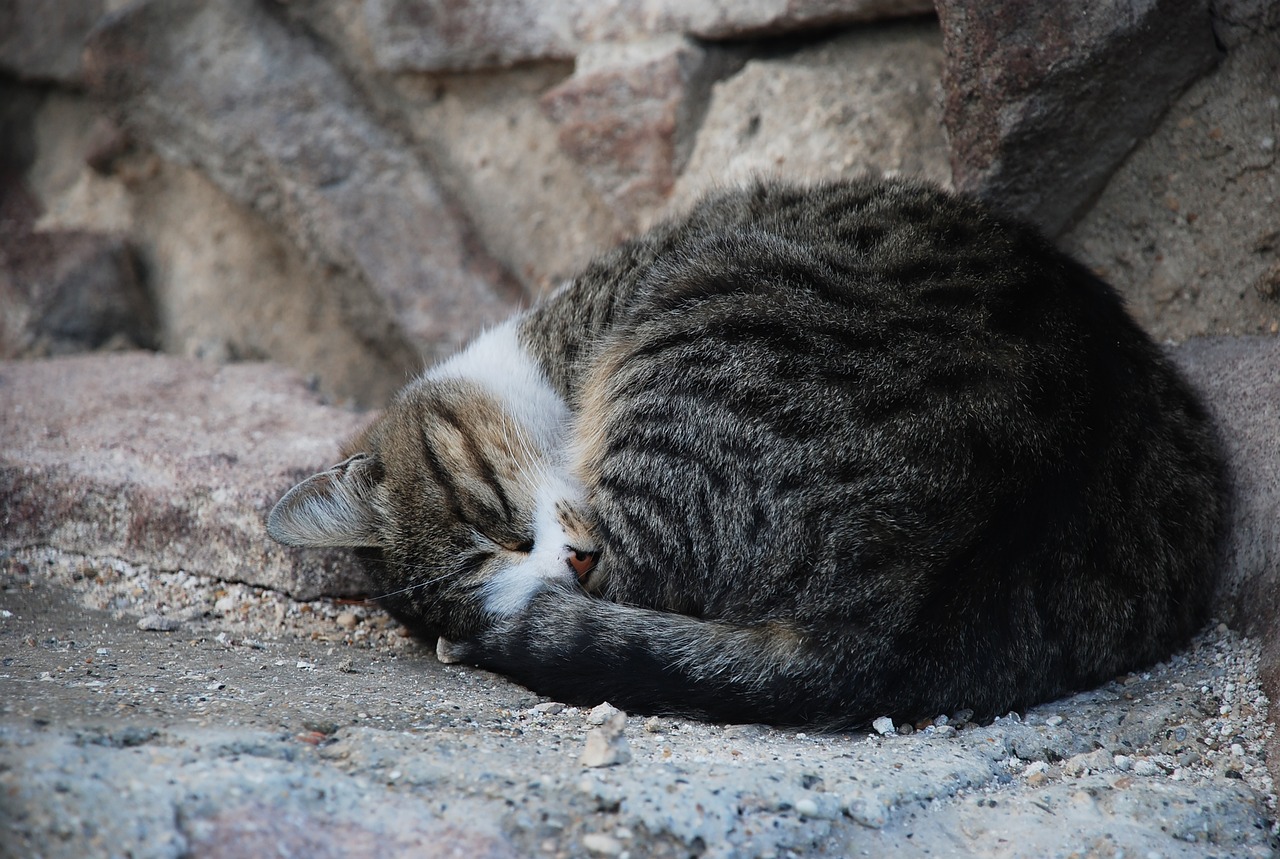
(225, 284)
(266, 117)
(418, 35)
(165, 462)
(1187, 226)
(41, 43)
(67, 291)
(718, 19)
(534, 206)
(1240, 378)
(64, 292)
(865, 101)
(1045, 100)
(629, 113)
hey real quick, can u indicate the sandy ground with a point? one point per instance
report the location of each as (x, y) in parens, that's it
(163, 714)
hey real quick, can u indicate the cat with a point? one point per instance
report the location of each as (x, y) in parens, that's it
(805, 456)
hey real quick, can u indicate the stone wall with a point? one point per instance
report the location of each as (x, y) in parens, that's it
(352, 189)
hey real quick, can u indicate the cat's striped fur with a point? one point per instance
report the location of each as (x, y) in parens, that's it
(858, 449)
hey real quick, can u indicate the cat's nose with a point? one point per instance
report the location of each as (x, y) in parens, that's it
(582, 563)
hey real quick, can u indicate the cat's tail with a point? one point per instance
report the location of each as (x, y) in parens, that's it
(580, 650)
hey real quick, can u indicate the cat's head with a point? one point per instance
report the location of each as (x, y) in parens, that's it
(463, 516)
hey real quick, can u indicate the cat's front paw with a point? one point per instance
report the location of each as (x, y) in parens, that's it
(454, 652)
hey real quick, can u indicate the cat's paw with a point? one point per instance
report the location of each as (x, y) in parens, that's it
(453, 652)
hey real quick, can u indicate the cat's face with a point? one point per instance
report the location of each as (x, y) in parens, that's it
(470, 518)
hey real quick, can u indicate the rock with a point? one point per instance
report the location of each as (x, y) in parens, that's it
(228, 285)
(628, 115)
(166, 462)
(863, 102)
(603, 713)
(41, 40)
(1183, 227)
(533, 205)
(1044, 101)
(70, 291)
(607, 744)
(883, 726)
(1239, 21)
(1240, 379)
(258, 109)
(159, 623)
(711, 19)
(422, 36)
(601, 844)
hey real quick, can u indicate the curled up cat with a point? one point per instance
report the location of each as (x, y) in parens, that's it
(805, 456)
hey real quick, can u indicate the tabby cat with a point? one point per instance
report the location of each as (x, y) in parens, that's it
(805, 456)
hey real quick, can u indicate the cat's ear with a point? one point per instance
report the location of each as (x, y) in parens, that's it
(332, 508)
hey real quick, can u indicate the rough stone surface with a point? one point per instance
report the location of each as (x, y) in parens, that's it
(498, 151)
(1240, 378)
(63, 292)
(225, 284)
(42, 43)
(1187, 226)
(421, 36)
(229, 89)
(165, 462)
(865, 101)
(629, 113)
(718, 19)
(1045, 100)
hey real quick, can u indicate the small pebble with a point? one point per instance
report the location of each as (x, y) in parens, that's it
(1124, 763)
(551, 708)
(602, 713)
(601, 844)
(347, 620)
(883, 726)
(1054, 721)
(653, 725)
(607, 744)
(158, 623)
(1145, 768)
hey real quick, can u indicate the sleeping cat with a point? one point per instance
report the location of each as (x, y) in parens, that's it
(806, 456)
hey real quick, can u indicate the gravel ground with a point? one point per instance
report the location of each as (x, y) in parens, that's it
(147, 713)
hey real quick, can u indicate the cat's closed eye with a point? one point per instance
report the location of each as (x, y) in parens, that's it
(524, 547)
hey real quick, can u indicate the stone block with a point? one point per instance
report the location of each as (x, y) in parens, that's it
(42, 40)
(1240, 380)
(166, 462)
(1044, 100)
(715, 19)
(419, 35)
(628, 114)
(1187, 226)
(864, 102)
(70, 291)
(425, 36)
(256, 106)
